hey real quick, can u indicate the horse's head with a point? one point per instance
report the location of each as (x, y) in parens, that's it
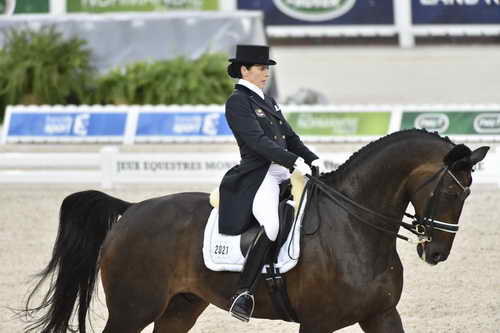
(438, 191)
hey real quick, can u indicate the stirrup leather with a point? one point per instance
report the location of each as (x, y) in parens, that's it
(242, 316)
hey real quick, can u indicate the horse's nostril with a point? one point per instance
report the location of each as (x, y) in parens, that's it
(437, 257)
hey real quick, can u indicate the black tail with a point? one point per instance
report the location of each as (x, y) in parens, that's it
(85, 219)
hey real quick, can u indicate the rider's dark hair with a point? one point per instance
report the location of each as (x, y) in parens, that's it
(234, 69)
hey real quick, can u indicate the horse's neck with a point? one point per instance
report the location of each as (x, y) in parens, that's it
(378, 181)
(378, 186)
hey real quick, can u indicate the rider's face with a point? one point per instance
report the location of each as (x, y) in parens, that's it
(257, 74)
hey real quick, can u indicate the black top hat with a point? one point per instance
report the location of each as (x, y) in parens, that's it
(252, 54)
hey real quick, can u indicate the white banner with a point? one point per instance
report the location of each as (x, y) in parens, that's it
(111, 167)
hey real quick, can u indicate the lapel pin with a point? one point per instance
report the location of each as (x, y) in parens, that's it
(259, 113)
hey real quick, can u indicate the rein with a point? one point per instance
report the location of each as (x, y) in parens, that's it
(420, 226)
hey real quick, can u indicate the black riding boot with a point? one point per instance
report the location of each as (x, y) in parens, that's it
(242, 302)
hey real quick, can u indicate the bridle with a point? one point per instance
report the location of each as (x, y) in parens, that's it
(422, 227)
(425, 225)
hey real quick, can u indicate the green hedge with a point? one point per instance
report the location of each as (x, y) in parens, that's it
(178, 81)
(42, 67)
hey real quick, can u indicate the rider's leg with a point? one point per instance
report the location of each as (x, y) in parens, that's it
(265, 210)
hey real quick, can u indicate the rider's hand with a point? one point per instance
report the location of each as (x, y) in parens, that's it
(301, 165)
(320, 164)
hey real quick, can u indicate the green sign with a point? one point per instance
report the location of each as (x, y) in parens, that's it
(100, 6)
(340, 123)
(27, 6)
(458, 123)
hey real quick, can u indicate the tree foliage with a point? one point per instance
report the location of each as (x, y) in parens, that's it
(177, 81)
(42, 67)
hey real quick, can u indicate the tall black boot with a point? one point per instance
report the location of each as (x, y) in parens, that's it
(242, 302)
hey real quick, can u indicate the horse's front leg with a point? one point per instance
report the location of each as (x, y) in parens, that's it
(385, 322)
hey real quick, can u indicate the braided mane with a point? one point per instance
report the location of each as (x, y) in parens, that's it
(374, 145)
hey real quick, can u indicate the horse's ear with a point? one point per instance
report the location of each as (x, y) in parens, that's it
(459, 153)
(478, 154)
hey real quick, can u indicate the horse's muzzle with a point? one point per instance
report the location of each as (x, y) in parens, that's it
(429, 256)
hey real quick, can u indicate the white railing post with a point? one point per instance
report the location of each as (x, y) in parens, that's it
(10, 7)
(6, 124)
(131, 125)
(108, 156)
(57, 7)
(228, 5)
(396, 115)
(404, 24)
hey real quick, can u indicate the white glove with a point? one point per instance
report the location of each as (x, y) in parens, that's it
(320, 164)
(301, 165)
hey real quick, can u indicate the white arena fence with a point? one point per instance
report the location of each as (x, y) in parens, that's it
(110, 167)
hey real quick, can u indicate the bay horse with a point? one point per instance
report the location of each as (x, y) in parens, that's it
(150, 253)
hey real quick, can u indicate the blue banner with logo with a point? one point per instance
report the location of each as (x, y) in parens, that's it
(320, 12)
(67, 124)
(456, 11)
(182, 124)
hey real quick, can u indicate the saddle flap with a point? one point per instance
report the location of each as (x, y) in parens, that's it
(286, 218)
(223, 252)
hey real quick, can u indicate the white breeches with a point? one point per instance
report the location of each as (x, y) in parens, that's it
(266, 200)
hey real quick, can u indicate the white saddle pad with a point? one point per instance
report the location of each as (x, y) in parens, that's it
(223, 253)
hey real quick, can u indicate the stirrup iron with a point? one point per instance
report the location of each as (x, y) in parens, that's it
(242, 316)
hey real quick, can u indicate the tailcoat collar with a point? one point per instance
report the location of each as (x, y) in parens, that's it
(266, 105)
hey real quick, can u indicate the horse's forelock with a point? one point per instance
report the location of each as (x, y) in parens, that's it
(458, 155)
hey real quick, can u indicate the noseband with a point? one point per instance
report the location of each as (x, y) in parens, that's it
(420, 226)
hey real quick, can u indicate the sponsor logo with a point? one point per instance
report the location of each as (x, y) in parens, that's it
(314, 10)
(210, 124)
(334, 125)
(81, 125)
(433, 122)
(487, 123)
(197, 124)
(67, 124)
(58, 125)
(187, 124)
(176, 4)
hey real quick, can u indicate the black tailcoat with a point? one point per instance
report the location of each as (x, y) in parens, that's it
(264, 137)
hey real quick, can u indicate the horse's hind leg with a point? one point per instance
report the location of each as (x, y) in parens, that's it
(386, 322)
(181, 314)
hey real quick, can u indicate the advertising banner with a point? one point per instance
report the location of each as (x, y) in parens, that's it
(100, 6)
(456, 11)
(320, 12)
(207, 167)
(173, 166)
(182, 124)
(340, 123)
(66, 124)
(454, 123)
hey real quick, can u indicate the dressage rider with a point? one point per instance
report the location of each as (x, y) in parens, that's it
(269, 150)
